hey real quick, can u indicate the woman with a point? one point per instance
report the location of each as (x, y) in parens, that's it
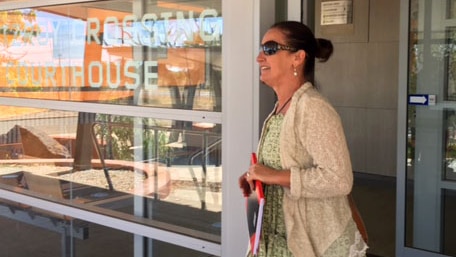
(304, 161)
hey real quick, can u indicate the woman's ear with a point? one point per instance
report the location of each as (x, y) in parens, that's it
(300, 57)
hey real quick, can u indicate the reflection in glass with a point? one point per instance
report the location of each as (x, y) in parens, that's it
(110, 162)
(169, 56)
(451, 14)
(431, 141)
(450, 149)
(449, 207)
(449, 55)
(87, 239)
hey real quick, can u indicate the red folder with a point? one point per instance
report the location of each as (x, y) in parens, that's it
(255, 204)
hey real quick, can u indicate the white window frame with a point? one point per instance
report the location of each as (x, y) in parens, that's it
(244, 23)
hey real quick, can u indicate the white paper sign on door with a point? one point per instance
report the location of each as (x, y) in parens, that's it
(336, 12)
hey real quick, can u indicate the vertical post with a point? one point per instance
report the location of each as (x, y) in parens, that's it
(84, 146)
(67, 242)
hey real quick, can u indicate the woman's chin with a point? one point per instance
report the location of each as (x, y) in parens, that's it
(264, 79)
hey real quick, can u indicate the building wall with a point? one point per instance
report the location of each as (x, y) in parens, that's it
(363, 87)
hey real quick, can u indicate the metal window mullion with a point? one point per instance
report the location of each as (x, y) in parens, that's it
(146, 112)
(401, 172)
(117, 223)
(11, 5)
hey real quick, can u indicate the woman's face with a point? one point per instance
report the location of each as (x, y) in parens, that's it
(277, 68)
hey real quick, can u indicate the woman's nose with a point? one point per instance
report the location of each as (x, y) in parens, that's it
(260, 57)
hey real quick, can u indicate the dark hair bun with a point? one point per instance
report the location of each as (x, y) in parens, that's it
(325, 49)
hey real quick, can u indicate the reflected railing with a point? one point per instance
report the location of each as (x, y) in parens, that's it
(210, 143)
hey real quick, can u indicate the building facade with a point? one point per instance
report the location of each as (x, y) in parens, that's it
(125, 124)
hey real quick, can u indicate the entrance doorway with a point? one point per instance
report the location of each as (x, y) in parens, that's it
(427, 176)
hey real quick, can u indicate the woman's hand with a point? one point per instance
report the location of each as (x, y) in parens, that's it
(247, 180)
(244, 185)
(264, 174)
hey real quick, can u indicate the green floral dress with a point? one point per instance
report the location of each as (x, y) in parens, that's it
(273, 242)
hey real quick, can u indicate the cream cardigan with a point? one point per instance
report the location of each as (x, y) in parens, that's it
(313, 148)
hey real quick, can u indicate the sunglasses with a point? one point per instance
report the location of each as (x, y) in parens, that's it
(271, 48)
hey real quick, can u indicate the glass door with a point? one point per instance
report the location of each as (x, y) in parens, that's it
(427, 192)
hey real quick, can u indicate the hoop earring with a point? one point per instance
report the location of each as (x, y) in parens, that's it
(295, 72)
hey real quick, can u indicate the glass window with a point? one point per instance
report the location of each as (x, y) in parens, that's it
(163, 173)
(168, 55)
(431, 142)
(74, 238)
(118, 165)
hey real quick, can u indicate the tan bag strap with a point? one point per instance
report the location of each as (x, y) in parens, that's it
(357, 218)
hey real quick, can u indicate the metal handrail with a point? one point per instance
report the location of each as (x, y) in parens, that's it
(204, 151)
